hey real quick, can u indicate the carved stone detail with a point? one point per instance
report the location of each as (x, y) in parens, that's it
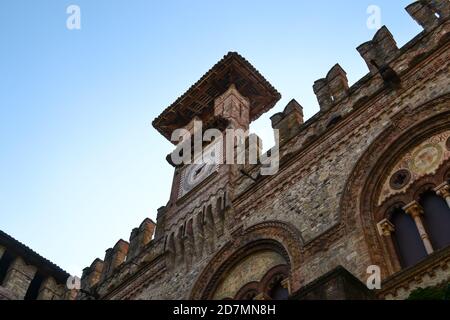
(385, 228)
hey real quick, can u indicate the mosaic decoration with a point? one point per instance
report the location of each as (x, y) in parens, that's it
(424, 159)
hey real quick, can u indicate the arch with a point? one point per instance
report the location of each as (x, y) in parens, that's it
(280, 237)
(358, 205)
(271, 283)
(423, 188)
(436, 219)
(248, 292)
(409, 245)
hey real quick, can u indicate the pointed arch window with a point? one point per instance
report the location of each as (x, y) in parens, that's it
(436, 219)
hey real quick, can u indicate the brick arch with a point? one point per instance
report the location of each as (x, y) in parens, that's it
(447, 175)
(410, 125)
(280, 237)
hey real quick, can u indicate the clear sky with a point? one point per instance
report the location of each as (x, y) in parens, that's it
(80, 163)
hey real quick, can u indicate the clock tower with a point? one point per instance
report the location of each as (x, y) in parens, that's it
(229, 96)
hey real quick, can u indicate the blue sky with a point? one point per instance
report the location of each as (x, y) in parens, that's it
(80, 164)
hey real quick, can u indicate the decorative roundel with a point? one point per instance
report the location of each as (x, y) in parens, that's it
(400, 179)
(447, 144)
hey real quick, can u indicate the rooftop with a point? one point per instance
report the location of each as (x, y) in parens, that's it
(199, 99)
(31, 257)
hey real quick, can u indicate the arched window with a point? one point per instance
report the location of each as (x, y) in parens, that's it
(407, 240)
(279, 292)
(436, 219)
(248, 292)
(260, 275)
(270, 287)
(272, 284)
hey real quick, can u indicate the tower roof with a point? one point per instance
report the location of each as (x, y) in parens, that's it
(199, 99)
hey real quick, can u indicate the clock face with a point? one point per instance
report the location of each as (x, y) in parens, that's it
(197, 172)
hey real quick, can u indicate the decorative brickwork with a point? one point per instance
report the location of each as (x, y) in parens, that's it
(374, 147)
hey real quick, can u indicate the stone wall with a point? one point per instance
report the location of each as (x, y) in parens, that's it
(311, 197)
(19, 277)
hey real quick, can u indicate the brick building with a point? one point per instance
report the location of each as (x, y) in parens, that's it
(25, 275)
(364, 182)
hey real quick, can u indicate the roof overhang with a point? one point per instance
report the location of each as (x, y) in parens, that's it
(199, 99)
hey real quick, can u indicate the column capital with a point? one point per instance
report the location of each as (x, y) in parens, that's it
(262, 296)
(286, 284)
(414, 209)
(385, 228)
(443, 190)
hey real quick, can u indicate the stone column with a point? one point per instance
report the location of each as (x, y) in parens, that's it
(385, 229)
(416, 211)
(19, 277)
(286, 283)
(443, 191)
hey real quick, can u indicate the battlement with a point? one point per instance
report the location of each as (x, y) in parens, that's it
(386, 62)
(123, 254)
(288, 121)
(172, 239)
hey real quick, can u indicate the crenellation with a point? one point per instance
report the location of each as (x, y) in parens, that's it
(331, 89)
(441, 7)
(114, 257)
(140, 237)
(423, 15)
(338, 83)
(253, 149)
(321, 193)
(379, 51)
(92, 274)
(250, 152)
(323, 94)
(160, 222)
(289, 121)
